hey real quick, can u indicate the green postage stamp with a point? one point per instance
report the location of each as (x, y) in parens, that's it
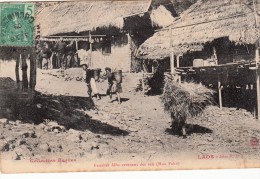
(17, 24)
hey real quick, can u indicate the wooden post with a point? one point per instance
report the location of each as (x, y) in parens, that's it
(257, 60)
(178, 61)
(172, 61)
(90, 55)
(143, 83)
(215, 55)
(17, 69)
(172, 53)
(219, 93)
(90, 49)
(144, 67)
(257, 82)
(24, 72)
(130, 43)
(178, 65)
(31, 71)
(33, 67)
(255, 13)
(77, 46)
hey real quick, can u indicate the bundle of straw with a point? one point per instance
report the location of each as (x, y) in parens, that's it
(185, 100)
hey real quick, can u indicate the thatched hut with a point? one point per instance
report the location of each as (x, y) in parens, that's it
(215, 42)
(111, 31)
(225, 28)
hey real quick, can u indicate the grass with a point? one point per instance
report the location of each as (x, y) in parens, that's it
(185, 100)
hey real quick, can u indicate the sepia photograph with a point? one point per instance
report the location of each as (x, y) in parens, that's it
(129, 85)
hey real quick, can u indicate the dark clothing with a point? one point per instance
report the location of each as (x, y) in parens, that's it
(69, 61)
(89, 89)
(38, 48)
(60, 59)
(60, 47)
(70, 49)
(113, 86)
(54, 61)
(46, 53)
(69, 54)
(110, 78)
(38, 54)
(75, 62)
(89, 75)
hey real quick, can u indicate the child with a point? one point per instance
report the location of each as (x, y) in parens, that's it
(113, 86)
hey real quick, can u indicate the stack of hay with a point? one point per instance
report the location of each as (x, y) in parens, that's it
(185, 100)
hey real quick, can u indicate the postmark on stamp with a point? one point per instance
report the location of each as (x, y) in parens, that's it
(17, 24)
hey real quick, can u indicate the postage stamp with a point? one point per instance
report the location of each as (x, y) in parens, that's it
(17, 24)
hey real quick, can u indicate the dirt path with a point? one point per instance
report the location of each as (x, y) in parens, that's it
(137, 127)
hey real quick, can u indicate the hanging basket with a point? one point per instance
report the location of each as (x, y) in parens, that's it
(118, 76)
(96, 73)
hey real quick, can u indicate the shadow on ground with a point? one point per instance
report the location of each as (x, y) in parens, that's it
(66, 110)
(69, 112)
(190, 129)
(121, 99)
(98, 127)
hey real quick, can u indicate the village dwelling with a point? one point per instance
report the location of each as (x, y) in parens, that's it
(105, 33)
(209, 29)
(216, 43)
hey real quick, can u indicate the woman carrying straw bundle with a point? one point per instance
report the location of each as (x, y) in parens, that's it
(185, 100)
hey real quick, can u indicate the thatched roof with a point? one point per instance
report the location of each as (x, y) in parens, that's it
(161, 16)
(203, 22)
(80, 16)
(179, 5)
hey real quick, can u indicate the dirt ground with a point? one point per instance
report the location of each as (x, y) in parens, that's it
(63, 121)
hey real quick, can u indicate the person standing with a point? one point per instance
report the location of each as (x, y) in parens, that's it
(113, 86)
(91, 83)
(75, 60)
(54, 55)
(39, 54)
(69, 56)
(46, 54)
(60, 48)
(50, 55)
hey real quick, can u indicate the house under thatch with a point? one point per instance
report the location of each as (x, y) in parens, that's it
(222, 32)
(120, 26)
(228, 25)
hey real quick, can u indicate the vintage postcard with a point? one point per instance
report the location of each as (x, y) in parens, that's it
(129, 85)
